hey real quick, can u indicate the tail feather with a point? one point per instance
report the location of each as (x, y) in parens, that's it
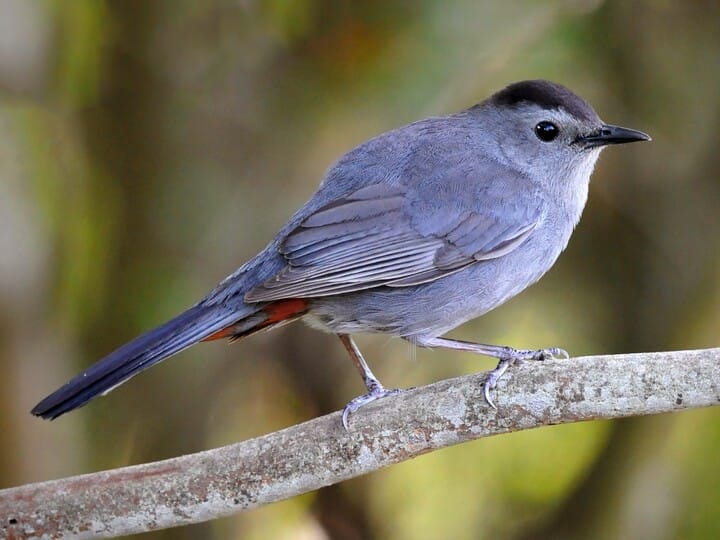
(178, 334)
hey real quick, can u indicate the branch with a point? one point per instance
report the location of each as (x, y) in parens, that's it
(308, 456)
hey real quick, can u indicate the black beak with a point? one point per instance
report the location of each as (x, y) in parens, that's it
(613, 135)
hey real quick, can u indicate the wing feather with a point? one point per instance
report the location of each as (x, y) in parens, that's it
(366, 240)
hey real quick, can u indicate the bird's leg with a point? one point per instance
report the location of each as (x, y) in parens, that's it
(375, 389)
(507, 356)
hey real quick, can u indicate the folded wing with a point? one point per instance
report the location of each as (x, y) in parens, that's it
(367, 240)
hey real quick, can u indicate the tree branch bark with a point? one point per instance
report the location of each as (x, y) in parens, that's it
(308, 456)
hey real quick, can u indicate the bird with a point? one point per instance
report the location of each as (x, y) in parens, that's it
(410, 234)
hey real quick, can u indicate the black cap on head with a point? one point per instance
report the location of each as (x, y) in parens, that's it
(546, 95)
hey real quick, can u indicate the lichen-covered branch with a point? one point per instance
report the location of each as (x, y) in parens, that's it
(308, 456)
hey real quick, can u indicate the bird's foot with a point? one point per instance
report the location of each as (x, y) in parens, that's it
(375, 391)
(511, 357)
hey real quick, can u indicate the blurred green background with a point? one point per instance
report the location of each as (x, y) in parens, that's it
(147, 149)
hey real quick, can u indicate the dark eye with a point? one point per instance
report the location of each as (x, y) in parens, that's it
(546, 131)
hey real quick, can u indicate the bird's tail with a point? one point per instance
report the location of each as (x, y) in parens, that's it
(200, 322)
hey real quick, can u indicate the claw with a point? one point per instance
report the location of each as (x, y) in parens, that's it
(517, 357)
(486, 392)
(375, 393)
(552, 353)
(493, 377)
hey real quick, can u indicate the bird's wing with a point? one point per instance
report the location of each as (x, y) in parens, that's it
(368, 239)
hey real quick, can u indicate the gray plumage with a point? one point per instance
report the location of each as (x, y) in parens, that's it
(421, 203)
(415, 232)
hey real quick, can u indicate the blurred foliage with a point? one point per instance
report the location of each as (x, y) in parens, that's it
(149, 148)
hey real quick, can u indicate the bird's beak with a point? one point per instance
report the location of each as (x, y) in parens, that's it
(613, 135)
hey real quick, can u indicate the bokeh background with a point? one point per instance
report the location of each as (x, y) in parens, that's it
(147, 149)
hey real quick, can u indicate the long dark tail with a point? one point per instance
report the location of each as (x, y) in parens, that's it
(194, 325)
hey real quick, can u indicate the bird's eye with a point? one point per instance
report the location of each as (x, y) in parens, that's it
(546, 131)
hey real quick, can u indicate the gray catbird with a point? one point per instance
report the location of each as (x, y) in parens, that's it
(410, 234)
